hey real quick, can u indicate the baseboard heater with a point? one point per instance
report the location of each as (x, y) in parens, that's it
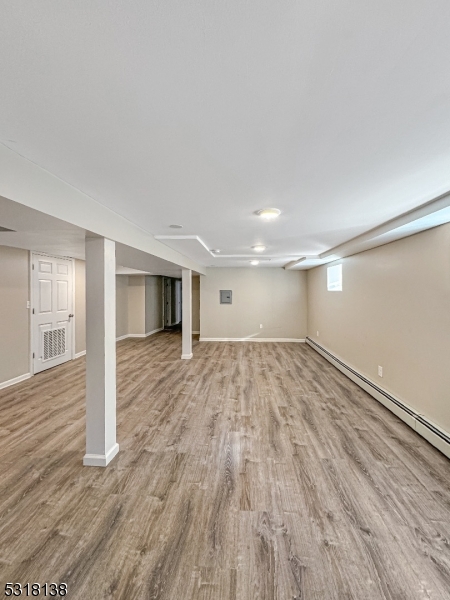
(436, 436)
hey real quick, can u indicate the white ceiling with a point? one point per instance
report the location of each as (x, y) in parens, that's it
(202, 112)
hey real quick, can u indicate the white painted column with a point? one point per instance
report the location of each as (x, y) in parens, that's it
(186, 327)
(101, 445)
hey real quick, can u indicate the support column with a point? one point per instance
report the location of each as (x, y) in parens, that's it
(101, 445)
(186, 328)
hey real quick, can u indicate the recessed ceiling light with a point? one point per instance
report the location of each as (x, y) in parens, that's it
(216, 251)
(176, 226)
(258, 248)
(268, 213)
(254, 262)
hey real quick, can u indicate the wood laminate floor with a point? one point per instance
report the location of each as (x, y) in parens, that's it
(253, 471)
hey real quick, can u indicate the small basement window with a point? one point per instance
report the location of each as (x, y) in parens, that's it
(334, 278)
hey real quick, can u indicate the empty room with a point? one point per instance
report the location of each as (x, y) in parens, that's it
(225, 300)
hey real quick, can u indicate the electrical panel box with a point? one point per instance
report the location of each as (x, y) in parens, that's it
(225, 296)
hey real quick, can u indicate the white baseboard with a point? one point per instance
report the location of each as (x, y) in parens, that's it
(187, 356)
(250, 339)
(15, 380)
(196, 332)
(154, 331)
(434, 434)
(138, 335)
(122, 337)
(100, 460)
(125, 337)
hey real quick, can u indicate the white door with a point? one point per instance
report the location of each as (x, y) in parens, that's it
(52, 314)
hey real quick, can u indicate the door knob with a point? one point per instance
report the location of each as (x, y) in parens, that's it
(70, 316)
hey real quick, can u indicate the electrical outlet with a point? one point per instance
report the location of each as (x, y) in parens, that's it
(28, 304)
(380, 371)
(260, 326)
(317, 334)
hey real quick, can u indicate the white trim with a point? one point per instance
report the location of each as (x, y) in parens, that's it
(249, 339)
(74, 326)
(154, 331)
(185, 237)
(138, 335)
(187, 356)
(122, 337)
(196, 333)
(80, 354)
(15, 380)
(407, 414)
(30, 312)
(100, 460)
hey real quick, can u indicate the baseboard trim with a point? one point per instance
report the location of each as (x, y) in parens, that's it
(100, 460)
(187, 356)
(291, 340)
(138, 335)
(122, 337)
(438, 437)
(196, 332)
(154, 331)
(15, 380)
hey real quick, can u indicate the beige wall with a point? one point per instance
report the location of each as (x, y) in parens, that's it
(274, 297)
(14, 315)
(80, 306)
(136, 305)
(394, 311)
(121, 305)
(196, 303)
(153, 303)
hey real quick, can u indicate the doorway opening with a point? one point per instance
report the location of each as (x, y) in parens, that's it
(172, 303)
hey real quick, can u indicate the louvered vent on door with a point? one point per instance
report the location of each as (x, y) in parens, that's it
(54, 343)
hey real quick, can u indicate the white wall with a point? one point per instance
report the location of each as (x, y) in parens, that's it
(394, 311)
(272, 297)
